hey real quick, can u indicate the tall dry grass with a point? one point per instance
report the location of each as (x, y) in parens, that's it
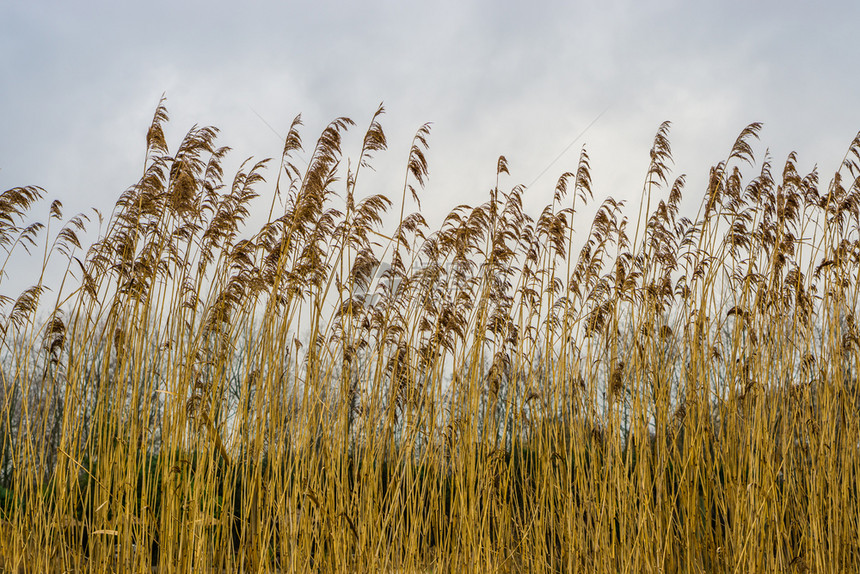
(502, 394)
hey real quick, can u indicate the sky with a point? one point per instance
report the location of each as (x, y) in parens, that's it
(534, 81)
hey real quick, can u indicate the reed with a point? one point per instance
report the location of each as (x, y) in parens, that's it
(506, 393)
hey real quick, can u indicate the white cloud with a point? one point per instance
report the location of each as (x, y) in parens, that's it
(81, 83)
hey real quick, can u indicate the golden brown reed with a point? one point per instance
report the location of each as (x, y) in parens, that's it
(502, 394)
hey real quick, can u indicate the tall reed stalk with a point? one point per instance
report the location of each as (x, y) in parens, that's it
(506, 393)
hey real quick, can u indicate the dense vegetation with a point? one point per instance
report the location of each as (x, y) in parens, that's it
(502, 394)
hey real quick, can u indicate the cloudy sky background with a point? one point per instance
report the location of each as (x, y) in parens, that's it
(81, 80)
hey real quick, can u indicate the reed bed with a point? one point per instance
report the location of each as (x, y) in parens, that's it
(505, 393)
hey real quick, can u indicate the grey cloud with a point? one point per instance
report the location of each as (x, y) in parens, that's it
(520, 79)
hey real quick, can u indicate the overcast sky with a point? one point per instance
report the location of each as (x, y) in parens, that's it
(79, 82)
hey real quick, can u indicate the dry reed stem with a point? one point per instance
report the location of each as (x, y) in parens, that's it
(346, 390)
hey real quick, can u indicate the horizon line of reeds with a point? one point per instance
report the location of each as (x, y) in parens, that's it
(503, 393)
